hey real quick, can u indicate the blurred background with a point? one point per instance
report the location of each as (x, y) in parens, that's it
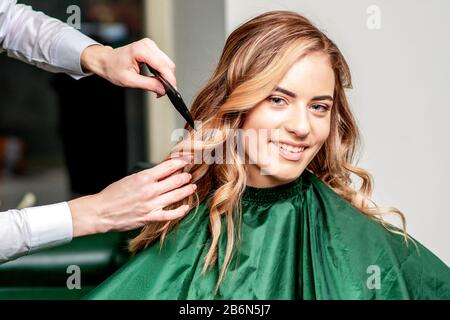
(61, 138)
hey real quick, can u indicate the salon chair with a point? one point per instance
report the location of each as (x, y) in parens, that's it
(45, 274)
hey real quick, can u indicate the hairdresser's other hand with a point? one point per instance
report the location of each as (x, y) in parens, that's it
(134, 201)
(121, 65)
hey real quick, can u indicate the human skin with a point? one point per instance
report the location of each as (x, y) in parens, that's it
(291, 120)
(121, 66)
(135, 200)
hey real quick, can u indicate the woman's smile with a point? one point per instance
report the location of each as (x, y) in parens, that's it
(297, 113)
(289, 150)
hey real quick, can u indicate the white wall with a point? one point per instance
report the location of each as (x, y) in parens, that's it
(199, 39)
(401, 78)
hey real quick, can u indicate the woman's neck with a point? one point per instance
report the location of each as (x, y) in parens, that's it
(257, 179)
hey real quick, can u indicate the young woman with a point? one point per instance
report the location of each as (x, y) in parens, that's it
(279, 220)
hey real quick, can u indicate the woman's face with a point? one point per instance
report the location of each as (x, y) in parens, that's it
(296, 114)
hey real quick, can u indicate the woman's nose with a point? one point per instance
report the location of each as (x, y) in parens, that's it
(298, 122)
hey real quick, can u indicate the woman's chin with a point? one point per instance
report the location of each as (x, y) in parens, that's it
(282, 174)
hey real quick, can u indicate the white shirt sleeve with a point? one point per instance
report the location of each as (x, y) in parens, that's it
(40, 40)
(27, 230)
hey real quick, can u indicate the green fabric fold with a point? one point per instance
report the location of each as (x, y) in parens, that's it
(300, 240)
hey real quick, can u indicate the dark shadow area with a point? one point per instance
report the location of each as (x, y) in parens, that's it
(93, 131)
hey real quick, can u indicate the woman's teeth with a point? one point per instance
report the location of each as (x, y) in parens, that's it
(288, 147)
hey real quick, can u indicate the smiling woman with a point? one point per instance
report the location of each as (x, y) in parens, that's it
(298, 112)
(281, 220)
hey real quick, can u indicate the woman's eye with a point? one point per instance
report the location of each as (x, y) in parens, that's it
(321, 108)
(277, 101)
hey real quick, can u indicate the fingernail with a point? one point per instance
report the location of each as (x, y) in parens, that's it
(186, 158)
(186, 207)
(194, 186)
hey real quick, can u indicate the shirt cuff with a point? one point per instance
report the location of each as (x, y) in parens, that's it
(68, 49)
(49, 225)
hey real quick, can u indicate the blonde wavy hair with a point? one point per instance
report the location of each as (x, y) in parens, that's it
(255, 58)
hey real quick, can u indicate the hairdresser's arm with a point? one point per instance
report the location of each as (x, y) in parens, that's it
(40, 40)
(134, 201)
(121, 66)
(52, 45)
(124, 205)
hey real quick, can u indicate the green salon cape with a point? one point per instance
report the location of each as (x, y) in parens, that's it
(299, 241)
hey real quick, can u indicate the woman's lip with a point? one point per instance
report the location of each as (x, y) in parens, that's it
(298, 145)
(293, 156)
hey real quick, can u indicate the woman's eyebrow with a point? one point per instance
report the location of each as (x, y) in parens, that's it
(293, 95)
(286, 92)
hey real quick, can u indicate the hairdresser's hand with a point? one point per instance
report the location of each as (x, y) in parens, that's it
(121, 65)
(134, 201)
